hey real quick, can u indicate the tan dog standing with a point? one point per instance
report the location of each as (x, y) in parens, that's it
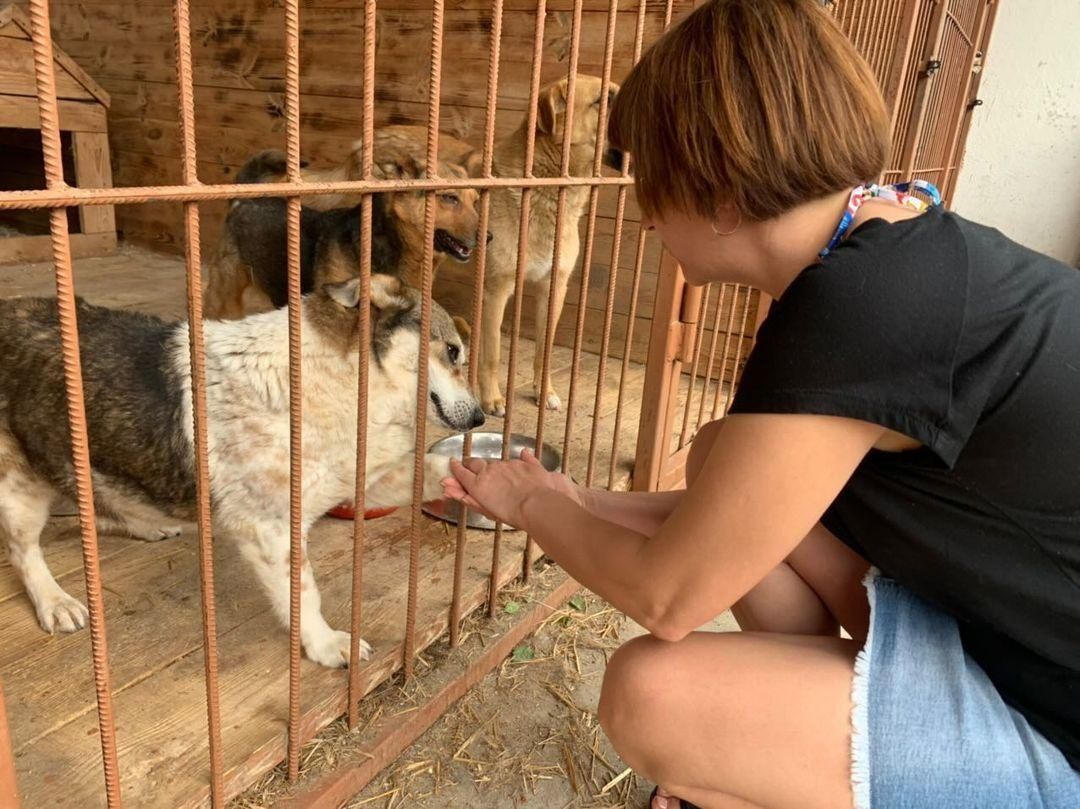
(505, 214)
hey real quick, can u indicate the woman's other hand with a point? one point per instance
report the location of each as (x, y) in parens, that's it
(499, 489)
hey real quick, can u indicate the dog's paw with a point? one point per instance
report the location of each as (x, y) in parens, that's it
(436, 470)
(332, 649)
(61, 612)
(146, 531)
(552, 400)
(495, 406)
(156, 533)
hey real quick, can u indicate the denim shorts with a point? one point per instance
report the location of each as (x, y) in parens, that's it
(929, 728)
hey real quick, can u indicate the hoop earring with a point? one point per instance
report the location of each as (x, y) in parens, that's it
(738, 224)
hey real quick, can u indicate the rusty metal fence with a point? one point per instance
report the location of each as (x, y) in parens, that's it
(927, 56)
(923, 53)
(58, 197)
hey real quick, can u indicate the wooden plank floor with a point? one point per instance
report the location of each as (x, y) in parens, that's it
(153, 614)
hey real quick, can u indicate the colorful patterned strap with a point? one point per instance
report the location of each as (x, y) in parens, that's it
(900, 193)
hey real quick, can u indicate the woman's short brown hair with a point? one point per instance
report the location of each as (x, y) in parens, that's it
(760, 104)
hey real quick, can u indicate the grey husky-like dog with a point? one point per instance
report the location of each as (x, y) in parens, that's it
(137, 381)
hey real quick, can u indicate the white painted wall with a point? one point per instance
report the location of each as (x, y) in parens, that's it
(1021, 171)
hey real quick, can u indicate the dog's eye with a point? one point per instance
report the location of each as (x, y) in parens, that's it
(453, 352)
(450, 199)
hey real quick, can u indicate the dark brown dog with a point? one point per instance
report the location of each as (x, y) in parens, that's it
(252, 255)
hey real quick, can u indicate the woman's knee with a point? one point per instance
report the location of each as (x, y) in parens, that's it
(632, 679)
(700, 448)
(640, 692)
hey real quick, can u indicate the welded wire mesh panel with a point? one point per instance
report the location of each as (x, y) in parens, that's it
(876, 28)
(907, 97)
(949, 95)
(720, 324)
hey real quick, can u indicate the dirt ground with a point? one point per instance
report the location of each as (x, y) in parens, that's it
(526, 737)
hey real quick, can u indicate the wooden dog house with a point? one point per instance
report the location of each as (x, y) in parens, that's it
(24, 235)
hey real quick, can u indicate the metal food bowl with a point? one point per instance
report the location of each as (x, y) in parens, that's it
(489, 447)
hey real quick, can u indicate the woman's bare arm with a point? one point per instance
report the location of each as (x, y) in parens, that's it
(759, 492)
(641, 512)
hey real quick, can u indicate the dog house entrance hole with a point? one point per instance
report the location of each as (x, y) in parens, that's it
(22, 169)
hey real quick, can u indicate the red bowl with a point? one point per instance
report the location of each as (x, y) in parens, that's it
(345, 511)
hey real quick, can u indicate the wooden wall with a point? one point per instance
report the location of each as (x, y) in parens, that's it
(128, 47)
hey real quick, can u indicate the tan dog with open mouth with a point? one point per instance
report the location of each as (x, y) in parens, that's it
(505, 213)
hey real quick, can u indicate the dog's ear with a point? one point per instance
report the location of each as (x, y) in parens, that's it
(463, 328)
(452, 171)
(387, 292)
(473, 163)
(404, 167)
(345, 293)
(550, 104)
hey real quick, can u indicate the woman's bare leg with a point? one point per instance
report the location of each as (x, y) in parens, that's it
(759, 718)
(735, 719)
(817, 589)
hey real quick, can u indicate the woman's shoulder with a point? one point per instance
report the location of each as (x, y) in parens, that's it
(932, 254)
(896, 260)
(894, 277)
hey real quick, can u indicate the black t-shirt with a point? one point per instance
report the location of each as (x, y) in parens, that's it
(950, 333)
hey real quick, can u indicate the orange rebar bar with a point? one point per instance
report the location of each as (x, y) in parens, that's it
(9, 792)
(548, 328)
(45, 80)
(68, 196)
(613, 274)
(605, 335)
(627, 344)
(434, 89)
(590, 233)
(703, 308)
(364, 329)
(197, 351)
(712, 352)
(519, 274)
(494, 47)
(722, 373)
(296, 501)
(739, 347)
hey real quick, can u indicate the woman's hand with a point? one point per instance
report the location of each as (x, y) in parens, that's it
(499, 489)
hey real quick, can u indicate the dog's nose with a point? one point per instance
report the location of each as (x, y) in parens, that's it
(490, 237)
(476, 419)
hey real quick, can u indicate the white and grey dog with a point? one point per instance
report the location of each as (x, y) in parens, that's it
(137, 380)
